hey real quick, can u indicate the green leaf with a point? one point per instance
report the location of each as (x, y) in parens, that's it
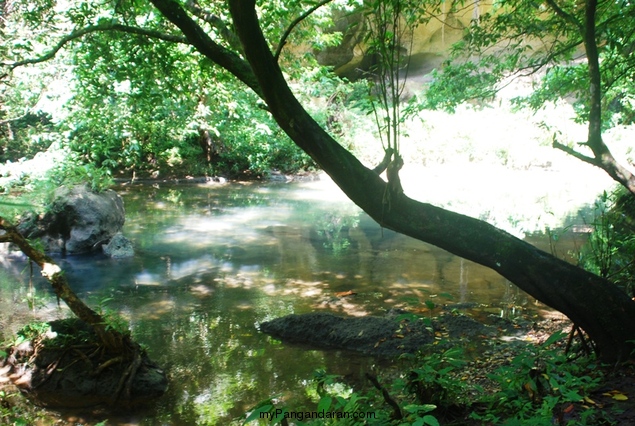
(430, 420)
(255, 415)
(419, 408)
(407, 316)
(554, 338)
(325, 403)
(572, 396)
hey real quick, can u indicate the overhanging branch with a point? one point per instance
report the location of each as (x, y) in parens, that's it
(195, 9)
(565, 15)
(111, 26)
(574, 153)
(296, 21)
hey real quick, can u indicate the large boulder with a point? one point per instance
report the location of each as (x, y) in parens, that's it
(79, 220)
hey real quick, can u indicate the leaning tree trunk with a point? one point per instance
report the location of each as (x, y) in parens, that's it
(113, 340)
(599, 307)
(604, 311)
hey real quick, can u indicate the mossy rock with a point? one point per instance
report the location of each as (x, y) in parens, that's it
(67, 367)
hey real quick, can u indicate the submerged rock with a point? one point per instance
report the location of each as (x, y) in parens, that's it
(119, 247)
(369, 335)
(77, 221)
(385, 337)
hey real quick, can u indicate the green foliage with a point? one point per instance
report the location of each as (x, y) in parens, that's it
(535, 383)
(139, 104)
(24, 136)
(112, 319)
(73, 172)
(520, 39)
(459, 82)
(431, 380)
(15, 411)
(31, 331)
(131, 117)
(610, 248)
(428, 388)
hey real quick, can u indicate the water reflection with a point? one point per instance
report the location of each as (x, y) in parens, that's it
(214, 261)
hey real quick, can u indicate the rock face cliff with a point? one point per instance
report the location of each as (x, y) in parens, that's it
(427, 47)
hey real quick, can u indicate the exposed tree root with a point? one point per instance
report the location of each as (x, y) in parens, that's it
(397, 414)
(127, 377)
(107, 364)
(587, 344)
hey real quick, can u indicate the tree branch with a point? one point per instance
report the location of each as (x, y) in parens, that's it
(396, 410)
(296, 21)
(564, 15)
(195, 9)
(595, 80)
(198, 38)
(574, 153)
(92, 29)
(547, 59)
(381, 167)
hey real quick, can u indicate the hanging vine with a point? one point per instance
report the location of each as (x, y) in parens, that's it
(391, 24)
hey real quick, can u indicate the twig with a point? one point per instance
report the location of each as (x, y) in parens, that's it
(216, 22)
(574, 153)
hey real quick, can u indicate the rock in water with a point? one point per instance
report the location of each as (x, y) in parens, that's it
(78, 221)
(119, 247)
(378, 336)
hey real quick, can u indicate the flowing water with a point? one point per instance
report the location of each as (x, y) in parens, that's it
(213, 261)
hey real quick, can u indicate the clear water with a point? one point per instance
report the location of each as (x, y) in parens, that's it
(213, 261)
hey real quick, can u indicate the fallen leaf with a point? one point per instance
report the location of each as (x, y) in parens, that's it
(345, 293)
(380, 342)
(529, 389)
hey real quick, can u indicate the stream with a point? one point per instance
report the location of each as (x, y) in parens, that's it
(213, 261)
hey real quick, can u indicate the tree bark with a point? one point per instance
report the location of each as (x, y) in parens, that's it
(604, 311)
(602, 155)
